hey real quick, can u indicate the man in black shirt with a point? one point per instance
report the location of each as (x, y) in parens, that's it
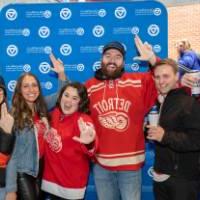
(177, 138)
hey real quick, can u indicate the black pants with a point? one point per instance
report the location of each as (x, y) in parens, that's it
(28, 187)
(53, 197)
(176, 189)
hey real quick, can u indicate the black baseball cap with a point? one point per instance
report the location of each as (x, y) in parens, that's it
(115, 45)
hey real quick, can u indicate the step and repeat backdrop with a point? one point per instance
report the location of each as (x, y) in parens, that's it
(76, 33)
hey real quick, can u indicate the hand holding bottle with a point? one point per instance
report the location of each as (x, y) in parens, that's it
(155, 133)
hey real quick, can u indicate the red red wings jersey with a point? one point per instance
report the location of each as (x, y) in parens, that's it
(66, 167)
(118, 108)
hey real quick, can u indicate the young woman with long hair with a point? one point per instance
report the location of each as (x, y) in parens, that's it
(6, 137)
(69, 144)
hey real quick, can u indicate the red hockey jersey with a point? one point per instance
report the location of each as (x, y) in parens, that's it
(66, 162)
(118, 108)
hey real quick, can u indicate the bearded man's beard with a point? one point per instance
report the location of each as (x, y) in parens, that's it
(114, 74)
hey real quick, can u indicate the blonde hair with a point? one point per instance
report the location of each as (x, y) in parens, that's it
(186, 44)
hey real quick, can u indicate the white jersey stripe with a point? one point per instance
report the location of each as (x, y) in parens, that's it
(130, 81)
(115, 162)
(96, 87)
(120, 154)
(63, 192)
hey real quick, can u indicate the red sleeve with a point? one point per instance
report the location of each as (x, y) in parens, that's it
(158, 59)
(40, 129)
(150, 92)
(41, 144)
(90, 150)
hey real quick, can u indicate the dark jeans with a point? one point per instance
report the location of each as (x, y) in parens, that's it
(176, 189)
(53, 197)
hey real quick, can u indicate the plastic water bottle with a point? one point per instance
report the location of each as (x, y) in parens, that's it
(153, 116)
(195, 91)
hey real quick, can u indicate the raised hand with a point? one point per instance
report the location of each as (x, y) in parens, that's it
(87, 132)
(6, 120)
(145, 51)
(58, 67)
(188, 80)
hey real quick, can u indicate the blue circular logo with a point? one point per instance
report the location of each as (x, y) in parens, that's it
(11, 14)
(65, 14)
(65, 49)
(44, 67)
(12, 50)
(98, 31)
(120, 12)
(44, 32)
(153, 30)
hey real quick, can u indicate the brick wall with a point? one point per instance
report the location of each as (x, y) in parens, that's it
(183, 22)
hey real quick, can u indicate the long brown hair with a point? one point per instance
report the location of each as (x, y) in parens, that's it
(22, 113)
